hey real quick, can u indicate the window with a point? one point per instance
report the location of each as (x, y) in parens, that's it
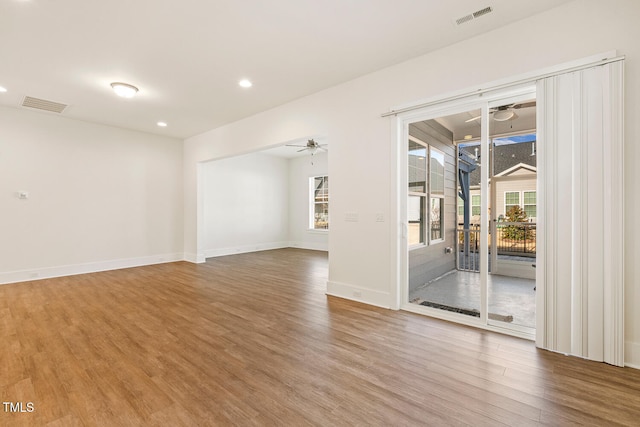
(460, 206)
(475, 205)
(530, 204)
(416, 208)
(436, 218)
(436, 187)
(319, 203)
(425, 205)
(511, 199)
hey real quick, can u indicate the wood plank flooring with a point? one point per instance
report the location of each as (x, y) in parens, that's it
(252, 340)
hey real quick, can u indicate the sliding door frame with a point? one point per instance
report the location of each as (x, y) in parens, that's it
(465, 100)
(482, 103)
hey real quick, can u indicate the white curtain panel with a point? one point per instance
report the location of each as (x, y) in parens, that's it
(580, 281)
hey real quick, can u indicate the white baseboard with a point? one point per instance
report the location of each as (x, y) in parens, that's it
(632, 354)
(314, 246)
(91, 267)
(210, 253)
(355, 293)
(195, 258)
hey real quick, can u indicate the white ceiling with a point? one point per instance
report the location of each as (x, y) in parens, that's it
(186, 56)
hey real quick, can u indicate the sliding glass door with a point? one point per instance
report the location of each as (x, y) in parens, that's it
(463, 218)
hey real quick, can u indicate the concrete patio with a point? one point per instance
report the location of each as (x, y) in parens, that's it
(508, 296)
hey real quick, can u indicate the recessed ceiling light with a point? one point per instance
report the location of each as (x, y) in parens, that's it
(2, 89)
(124, 90)
(162, 124)
(245, 83)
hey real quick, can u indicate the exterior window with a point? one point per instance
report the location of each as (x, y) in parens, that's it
(425, 204)
(436, 166)
(511, 199)
(460, 206)
(530, 204)
(475, 205)
(319, 203)
(416, 207)
(436, 213)
(436, 218)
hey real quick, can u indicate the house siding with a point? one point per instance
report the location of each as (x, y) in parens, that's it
(431, 261)
(520, 186)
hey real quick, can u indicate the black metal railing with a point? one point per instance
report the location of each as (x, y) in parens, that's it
(512, 239)
(516, 238)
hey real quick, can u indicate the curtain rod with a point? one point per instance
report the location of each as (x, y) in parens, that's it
(480, 92)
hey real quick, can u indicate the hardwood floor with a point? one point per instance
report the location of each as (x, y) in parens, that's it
(252, 340)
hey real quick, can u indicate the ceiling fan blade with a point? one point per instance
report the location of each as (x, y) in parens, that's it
(525, 105)
(323, 148)
(304, 149)
(293, 145)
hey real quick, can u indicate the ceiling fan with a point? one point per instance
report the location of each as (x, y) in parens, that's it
(311, 146)
(505, 112)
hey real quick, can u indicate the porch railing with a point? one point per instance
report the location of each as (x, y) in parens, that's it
(516, 238)
(468, 248)
(512, 239)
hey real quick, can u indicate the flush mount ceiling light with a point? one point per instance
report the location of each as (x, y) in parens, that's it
(2, 89)
(503, 115)
(124, 90)
(245, 83)
(162, 124)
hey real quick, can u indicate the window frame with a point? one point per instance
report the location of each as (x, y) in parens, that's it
(427, 196)
(436, 195)
(522, 202)
(476, 205)
(313, 202)
(519, 204)
(535, 204)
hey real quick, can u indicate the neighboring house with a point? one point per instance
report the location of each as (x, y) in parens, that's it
(514, 180)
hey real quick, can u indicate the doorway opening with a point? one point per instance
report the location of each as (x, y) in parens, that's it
(471, 214)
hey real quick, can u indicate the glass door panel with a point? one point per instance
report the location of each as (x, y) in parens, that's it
(513, 196)
(443, 223)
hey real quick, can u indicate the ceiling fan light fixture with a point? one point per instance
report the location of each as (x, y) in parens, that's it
(124, 90)
(503, 115)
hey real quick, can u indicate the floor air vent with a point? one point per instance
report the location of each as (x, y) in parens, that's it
(43, 104)
(475, 15)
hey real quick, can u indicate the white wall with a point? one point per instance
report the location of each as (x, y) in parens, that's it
(246, 204)
(99, 197)
(300, 170)
(257, 201)
(362, 168)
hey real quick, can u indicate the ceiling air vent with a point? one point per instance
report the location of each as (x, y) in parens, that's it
(43, 104)
(475, 15)
(479, 13)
